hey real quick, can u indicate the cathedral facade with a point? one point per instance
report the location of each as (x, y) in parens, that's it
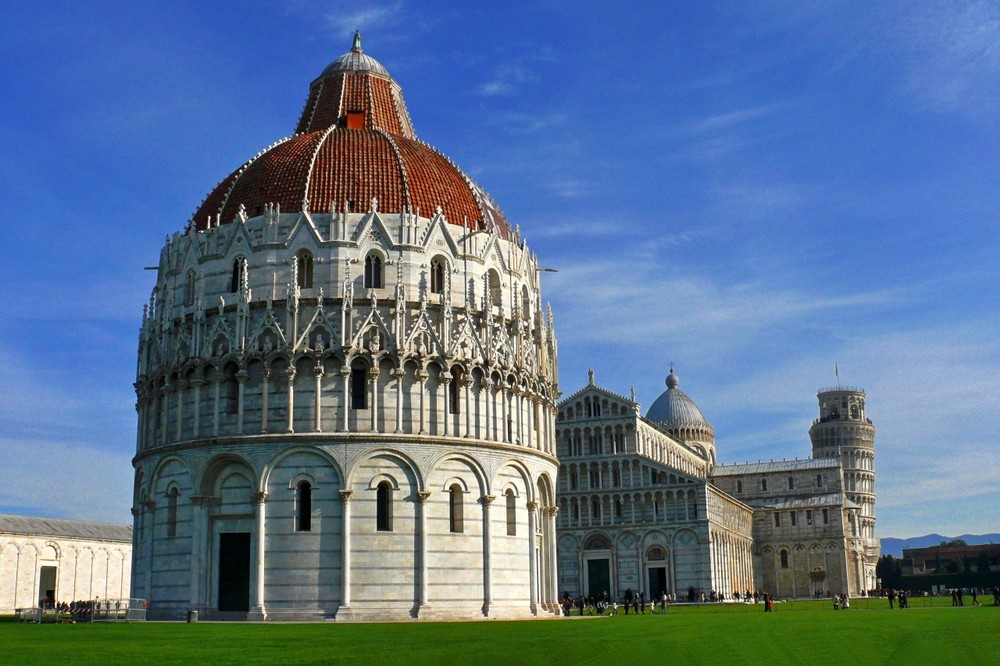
(645, 508)
(346, 385)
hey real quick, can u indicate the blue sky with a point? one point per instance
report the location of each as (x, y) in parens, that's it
(755, 191)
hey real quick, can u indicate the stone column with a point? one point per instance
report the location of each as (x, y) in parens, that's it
(422, 496)
(200, 535)
(533, 565)
(399, 373)
(505, 411)
(445, 384)
(265, 389)
(553, 555)
(290, 379)
(181, 386)
(520, 418)
(241, 385)
(486, 501)
(345, 375)
(466, 383)
(532, 442)
(217, 378)
(344, 612)
(422, 378)
(257, 612)
(488, 385)
(164, 404)
(318, 416)
(196, 423)
(373, 373)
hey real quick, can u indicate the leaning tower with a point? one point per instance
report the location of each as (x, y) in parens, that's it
(843, 431)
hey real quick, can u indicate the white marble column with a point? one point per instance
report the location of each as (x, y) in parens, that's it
(422, 497)
(318, 402)
(488, 385)
(373, 373)
(533, 564)
(422, 380)
(265, 389)
(505, 413)
(345, 376)
(444, 386)
(399, 373)
(486, 501)
(257, 612)
(290, 380)
(241, 386)
(553, 555)
(196, 423)
(181, 387)
(344, 612)
(217, 379)
(466, 383)
(200, 532)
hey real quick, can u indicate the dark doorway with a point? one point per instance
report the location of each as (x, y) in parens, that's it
(598, 577)
(47, 587)
(657, 582)
(234, 571)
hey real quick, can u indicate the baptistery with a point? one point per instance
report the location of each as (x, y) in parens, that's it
(346, 385)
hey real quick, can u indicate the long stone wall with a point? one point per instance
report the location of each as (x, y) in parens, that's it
(83, 570)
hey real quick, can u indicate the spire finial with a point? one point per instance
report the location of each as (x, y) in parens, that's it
(356, 46)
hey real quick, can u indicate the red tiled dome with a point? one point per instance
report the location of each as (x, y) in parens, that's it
(354, 142)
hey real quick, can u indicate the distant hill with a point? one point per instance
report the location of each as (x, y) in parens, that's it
(894, 547)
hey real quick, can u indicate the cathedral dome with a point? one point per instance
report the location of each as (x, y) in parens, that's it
(674, 407)
(354, 148)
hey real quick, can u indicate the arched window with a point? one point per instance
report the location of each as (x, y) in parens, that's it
(437, 275)
(236, 280)
(784, 559)
(172, 511)
(525, 304)
(511, 512)
(383, 510)
(304, 269)
(359, 389)
(496, 293)
(189, 288)
(455, 513)
(373, 271)
(303, 501)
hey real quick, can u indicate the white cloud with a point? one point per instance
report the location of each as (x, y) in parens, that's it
(65, 479)
(371, 17)
(730, 119)
(954, 56)
(494, 88)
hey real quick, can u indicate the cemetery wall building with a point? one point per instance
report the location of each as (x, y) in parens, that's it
(46, 561)
(645, 508)
(346, 385)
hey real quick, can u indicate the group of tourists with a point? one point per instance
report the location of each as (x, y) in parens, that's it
(637, 603)
(603, 604)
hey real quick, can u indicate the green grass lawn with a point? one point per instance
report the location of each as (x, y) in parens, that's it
(810, 633)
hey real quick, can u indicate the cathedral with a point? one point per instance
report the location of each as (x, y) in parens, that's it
(644, 507)
(346, 385)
